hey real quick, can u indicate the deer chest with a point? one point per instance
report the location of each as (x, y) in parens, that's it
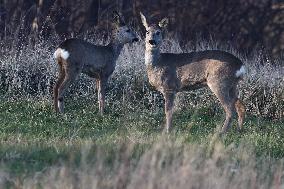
(163, 78)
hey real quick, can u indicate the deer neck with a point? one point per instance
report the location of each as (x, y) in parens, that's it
(116, 47)
(152, 57)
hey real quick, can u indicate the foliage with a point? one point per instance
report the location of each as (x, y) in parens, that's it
(125, 148)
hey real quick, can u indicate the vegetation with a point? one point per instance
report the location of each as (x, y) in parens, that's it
(83, 149)
(245, 24)
(126, 147)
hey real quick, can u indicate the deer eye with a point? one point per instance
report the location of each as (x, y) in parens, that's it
(147, 32)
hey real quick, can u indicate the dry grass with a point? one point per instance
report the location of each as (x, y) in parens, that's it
(135, 159)
(168, 163)
(32, 74)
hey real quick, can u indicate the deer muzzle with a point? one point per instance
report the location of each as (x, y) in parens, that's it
(135, 39)
(152, 42)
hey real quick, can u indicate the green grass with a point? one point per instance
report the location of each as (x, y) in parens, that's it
(33, 137)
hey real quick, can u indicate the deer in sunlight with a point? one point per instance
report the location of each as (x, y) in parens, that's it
(171, 73)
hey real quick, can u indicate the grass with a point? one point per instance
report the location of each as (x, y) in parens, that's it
(125, 148)
(33, 137)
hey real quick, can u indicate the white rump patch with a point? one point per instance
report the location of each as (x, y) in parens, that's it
(241, 72)
(61, 53)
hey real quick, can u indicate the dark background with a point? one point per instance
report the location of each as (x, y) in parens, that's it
(246, 25)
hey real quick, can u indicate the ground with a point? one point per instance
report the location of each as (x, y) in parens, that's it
(35, 138)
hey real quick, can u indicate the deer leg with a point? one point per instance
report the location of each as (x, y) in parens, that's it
(56, 86)
(241, 113)
(101, 86)
(229, 110)
(169, 106)
(69, 78)
(227, 97)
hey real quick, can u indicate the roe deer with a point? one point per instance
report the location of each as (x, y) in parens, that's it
(75, 56)
(171, 73)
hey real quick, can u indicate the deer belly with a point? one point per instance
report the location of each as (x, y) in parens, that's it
(163, 82)
(92, 71)
(192, 82)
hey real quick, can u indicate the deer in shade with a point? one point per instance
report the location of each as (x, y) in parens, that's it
(75, 56)
(171, 73)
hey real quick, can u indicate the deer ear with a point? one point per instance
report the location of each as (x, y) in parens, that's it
(164, 23)
(144, 21)
(117, 18)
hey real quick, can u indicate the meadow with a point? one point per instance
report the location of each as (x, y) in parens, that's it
(126, 148)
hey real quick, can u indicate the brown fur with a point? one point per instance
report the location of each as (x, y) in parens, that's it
(171, 73)
(95, 61)
(61, 77)
(240, 108)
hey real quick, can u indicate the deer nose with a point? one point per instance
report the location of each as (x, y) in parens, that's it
(135, 39)
(152, 42)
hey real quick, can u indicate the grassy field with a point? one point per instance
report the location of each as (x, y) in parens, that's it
(126, 148)
(34, 138)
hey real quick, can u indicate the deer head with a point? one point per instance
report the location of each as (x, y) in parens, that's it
(122, 33)
(154, 32)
